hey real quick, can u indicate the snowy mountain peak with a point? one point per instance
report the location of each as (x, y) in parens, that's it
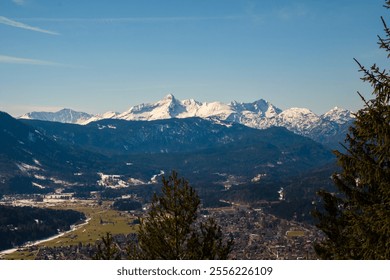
(261, 108)
(338, 115)
(168, 107)
(172, 103)
(298, 112)
(64, 116)
(298, 120)
(169, 96)
(169, 100)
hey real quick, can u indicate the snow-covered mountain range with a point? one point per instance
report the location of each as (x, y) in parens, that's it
(259, 114)
(63, 116)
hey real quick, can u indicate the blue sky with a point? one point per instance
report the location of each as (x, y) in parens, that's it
(97, 56)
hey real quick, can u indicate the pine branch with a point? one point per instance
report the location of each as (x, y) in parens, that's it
(387, 30)
(384, 44)
(375, 76)
(362, 97)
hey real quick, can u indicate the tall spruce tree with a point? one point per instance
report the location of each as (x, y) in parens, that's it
(107, 249)
(356, 218)
(172, 229)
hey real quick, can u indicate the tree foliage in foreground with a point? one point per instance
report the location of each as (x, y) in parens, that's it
(173, 230)
(107, 249)
(356, 219)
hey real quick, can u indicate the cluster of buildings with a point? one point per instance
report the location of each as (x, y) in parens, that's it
(258, 235)
(79, 251)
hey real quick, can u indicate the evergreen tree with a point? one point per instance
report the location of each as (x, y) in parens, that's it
(107, 249)
(356, 218)
(207, 244)
(172, 229)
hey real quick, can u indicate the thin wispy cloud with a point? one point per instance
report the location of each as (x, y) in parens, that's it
(293, 11)
(19, 2)
(133, 19)
(252, 13)
(4, 59)
(286, 13)
(17, 24)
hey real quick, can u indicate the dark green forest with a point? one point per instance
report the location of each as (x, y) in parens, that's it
(21, 224)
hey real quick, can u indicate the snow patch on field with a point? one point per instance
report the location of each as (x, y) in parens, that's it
(154, 180)
(117, 181)
(24, 167)
(61, 182)
(135, 182)
(39, 177)
(38, 185)
(230, 180)
(258, 177)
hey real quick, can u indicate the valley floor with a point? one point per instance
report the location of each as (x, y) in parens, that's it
(101, 219)
(256, 235)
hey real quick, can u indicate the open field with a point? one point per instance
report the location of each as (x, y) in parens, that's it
(101, 219)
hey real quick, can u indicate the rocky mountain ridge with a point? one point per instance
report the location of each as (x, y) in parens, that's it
(329, 128)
